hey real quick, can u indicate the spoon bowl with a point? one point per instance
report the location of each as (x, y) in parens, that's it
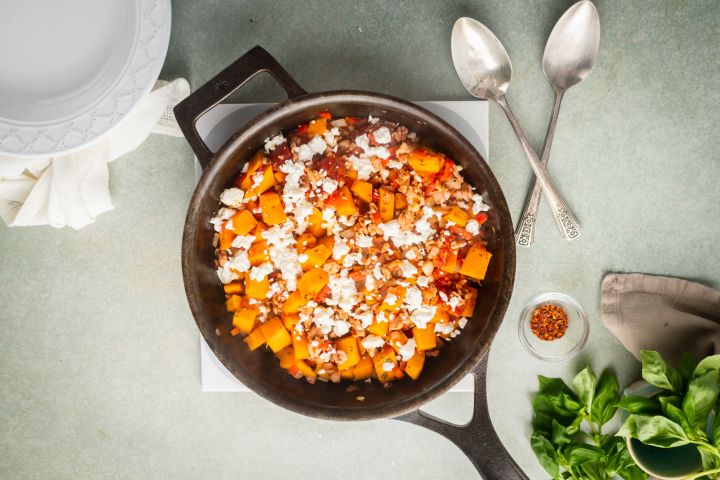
(572, 47)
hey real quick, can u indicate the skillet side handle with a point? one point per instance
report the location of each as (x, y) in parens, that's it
(221, 86)
(477, 439)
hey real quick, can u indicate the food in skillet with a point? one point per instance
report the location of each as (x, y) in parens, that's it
(351, 250)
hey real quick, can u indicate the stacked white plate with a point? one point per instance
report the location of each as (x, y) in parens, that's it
(72, 70)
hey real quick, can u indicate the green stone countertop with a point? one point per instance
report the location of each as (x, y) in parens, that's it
(99, 362)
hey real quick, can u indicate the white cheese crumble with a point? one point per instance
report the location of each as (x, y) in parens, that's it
(233, 267)
(292, 192)
(423, 315)
(220, 217)
(363, 166)
(372, 341)
(243, 242)
(274, 142)
(303, 210)
(351, 259)
(391, 299)
(369, 283)
(445, 329)
(408, 269)
(261, 271)
(317, 144)
(394, 164)
(388, 366)
(340, 248)
(257, 179)
(478, 205)
(364, 241)
(324, 320)
(462, 322)
(422, 281)
(377, 272)
(372, 120)
(330, 135)
(382, 135)
(364, 142)
(342, 293)
(366, 318)
(303, 257)
(454, 301)
(413, 299)
(411, 255)
(329, 185)
(232, 197)
(473, 227)
(338, 122)
(408, 350)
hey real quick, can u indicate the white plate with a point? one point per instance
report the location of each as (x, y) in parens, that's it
(71, 70)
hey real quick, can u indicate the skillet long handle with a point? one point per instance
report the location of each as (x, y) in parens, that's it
(477, 439)
(221, 86)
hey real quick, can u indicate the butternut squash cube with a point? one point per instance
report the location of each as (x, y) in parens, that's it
(425, 337)
(364, 368)
(261, 227)
(256, 289)
(476, 262)
(226, 238)
(234, 288)
(233, 303)
(451, 262)
(255, 339)
(243, 222)
(342, 201)
(268, 180)
(258, 253)
(300, 346)
(312, 282)
(441, 316)
(385, 356)
(347, 374)
(349, 345)
(272, 208)
(393, 299)
(305, 241)
(470, 300)
(363, 190)
(244, 319)
(290, 320)
(397, 338)
(294, 302)
(415, 365)
(286, 357)
(458, 216)
(253, 167)
(305, 369)
(276, 336)
(328, 241)
(424, 161)
(386, 204)
(315, 223)
(317, 127)
(379, 328)
(317, 256)
(400, 201)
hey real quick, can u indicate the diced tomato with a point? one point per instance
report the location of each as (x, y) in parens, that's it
(302, 128)
(447, 171)
(375, 216)
(392, 151)
(326, 115)
(235, 331)
(481, 217)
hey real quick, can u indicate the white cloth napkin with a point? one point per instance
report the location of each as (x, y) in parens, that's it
(72, 190)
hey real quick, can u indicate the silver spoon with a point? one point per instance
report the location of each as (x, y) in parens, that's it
(485, 70)
(569, 56)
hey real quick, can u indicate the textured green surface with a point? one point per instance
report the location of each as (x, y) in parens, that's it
(99, 366)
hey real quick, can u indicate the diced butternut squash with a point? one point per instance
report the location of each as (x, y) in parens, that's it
(226, 238)
(362, 190)
(276, 336)
(286, 357)
(305, 369)
(258, 253)
(364, 368)
(342, 201)
(316, 257)
(349, 345)
(415, 365)
(268, 180)
(272, 208)
(294, 302)
(328, 241)
(386, 204)
(234, 288)
(441, 316)
(476, 262)
(378, 328)
(425, 337)
(300, 346)
(255, 339)
(384, 357)
(458, 216)
(397, 338)
(347, 374)
(243, 222)
(279, 177)
(451, 261)
(400, 201)
(244, 319)
(290, 320)
(233, 303)
(305, 241)
(312, 282)
(256, 289)
(470, 300)
(261, 227)
(253, 167)
(423, 161)
(393, 299)
(317, 127)
(315, 223)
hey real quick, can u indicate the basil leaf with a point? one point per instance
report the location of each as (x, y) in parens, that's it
(560, 436)
(573, 428)
(657, 431)
(686, 367)
(700, 398)
(633, 472)
(547, 408)
(656, 372)
(639, 404)
(592, 471)
(709, 457)
(545, 454)
(678, 416)
(716, 427)
(581, 453)
(606, 397)
(706, 364)
(584, 384)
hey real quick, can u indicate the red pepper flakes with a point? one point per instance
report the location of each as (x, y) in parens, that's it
(549, 322)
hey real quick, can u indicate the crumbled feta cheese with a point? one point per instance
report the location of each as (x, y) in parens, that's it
(411, 255)
(413, 298)
(340, 248)
(303, 257)
(462, 322)
(400, 238)
(382, 135)
(347, 221)
(292, 192)
(274, 142)
(443, 296)
(304, 152)
(423, 315)
(377, 272)
(394, 164)
(369, 283)
(364, 142)
(329, 185)
(233, 267)
(338, 122)
(261, 271)
(473, 227)
(343, 293)
(364, 241)
(274, 289)
(220, 217)
(408, 350)
(372, 120)
(363, 166)
(330, 135)
(303, 210)
(381, 317)
(232, 197)
(372, 341)
(408, 269)
(388, 366)
(366, 318)
(317, 144)
(478, 205)
(257, 179)
(454, 301)
(444, 328)
(391, 299)
(324, 319)
(341, 327)
(351, 259)
(422, 281)
(243, 242)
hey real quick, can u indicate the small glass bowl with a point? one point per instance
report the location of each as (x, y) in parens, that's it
(564, 347)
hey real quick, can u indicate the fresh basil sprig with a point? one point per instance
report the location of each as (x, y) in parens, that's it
(562, 447)
(679, 414)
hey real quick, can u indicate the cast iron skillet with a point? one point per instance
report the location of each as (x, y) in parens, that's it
(259, 370)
